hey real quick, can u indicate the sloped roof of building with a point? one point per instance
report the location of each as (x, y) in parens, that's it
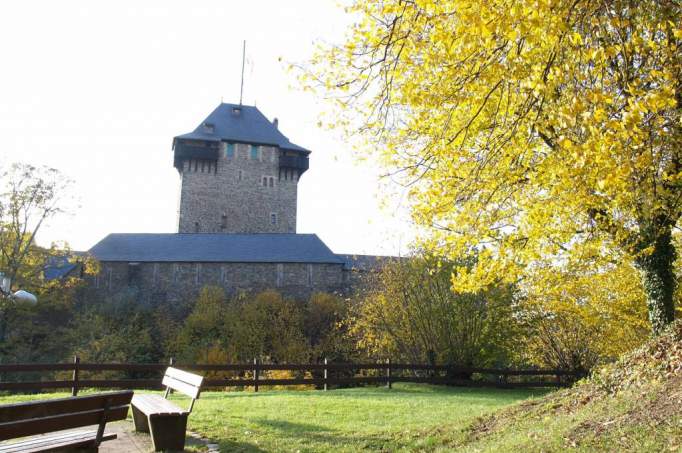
(61, 266)
(366, 263)
(214, 247)
(242, 124)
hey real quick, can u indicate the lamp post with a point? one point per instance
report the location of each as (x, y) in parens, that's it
(17, 296)
(4, 283)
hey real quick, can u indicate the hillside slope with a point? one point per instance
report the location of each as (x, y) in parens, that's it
(633, 405)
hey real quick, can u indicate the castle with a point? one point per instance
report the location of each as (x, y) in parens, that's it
(236, 222)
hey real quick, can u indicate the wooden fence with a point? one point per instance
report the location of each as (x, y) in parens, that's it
(322, 375)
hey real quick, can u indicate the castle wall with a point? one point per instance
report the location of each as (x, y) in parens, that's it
(239, 194)
(181, 282)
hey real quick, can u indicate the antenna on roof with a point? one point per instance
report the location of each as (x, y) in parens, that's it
(241, 90)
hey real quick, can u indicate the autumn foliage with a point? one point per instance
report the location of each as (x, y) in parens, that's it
(537, 133)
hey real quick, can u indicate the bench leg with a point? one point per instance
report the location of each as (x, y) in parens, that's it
(168, 432)
(140, 420)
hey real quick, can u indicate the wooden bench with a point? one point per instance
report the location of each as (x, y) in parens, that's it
(166, 422)
(52, 417)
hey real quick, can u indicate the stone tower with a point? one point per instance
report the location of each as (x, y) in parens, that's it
(238, 173)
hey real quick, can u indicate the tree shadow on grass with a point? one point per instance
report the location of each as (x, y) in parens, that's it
(291, 427)
(239, 447)
(321, 434)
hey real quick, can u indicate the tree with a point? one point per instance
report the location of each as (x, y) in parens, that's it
(530, 131)
(268, 327)
(29, 197)
(577, 318)
(324, 328)
(205, 328)
(412, 313)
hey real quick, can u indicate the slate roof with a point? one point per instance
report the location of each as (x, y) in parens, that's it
(214, 247)
(249, 126)
(58, 267)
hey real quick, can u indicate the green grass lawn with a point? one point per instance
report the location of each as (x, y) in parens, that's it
(340, 420)
(407, 417)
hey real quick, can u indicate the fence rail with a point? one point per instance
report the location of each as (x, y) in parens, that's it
(323, 375)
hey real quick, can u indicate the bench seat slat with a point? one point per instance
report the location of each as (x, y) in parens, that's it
(41, 438)
(29, 427)
(49, 443)
(156, 405)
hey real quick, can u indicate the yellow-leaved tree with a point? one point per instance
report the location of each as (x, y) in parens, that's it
(535, 132)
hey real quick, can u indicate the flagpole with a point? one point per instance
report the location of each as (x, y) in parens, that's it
(241, 90)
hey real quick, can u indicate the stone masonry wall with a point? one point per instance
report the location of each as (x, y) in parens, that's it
(181, 282)
(239, 195)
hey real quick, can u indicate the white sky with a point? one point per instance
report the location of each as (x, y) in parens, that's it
(99, 89)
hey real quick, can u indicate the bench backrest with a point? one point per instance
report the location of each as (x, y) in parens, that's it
(183, 382)
(46, 416)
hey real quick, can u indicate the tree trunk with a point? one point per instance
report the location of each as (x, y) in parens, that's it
(658, 277)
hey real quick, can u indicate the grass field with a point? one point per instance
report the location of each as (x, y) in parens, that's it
(409, 417)
(632, 405)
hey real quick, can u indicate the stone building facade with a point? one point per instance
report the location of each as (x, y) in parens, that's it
(241, 193)
(238, 174)
(236, 222)
(176, 282)
(171, 267)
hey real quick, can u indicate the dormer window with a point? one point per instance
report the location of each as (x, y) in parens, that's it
(236, 111)
(209, 128)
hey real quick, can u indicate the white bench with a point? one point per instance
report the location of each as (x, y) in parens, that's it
(165, 421)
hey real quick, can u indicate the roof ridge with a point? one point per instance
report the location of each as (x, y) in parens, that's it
(215, 247)
(217, 234)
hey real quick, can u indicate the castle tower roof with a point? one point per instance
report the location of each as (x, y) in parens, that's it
(241, 124)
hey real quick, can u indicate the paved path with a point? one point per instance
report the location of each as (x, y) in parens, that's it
(127, 440)
(130, 441)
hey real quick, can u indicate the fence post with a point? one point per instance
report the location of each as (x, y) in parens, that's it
(325, 374)
(74, 389)
(388, 373)
(255, 375)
